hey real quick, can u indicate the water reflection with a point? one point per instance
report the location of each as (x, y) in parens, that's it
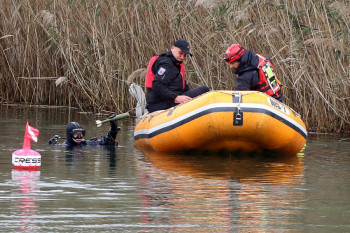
(219, 191)
(260, 168)
(74, 155)
(26, 205)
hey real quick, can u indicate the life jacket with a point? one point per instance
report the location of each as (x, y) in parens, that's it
(269, 83)
(150, 76)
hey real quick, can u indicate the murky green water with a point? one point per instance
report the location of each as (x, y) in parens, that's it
(99, 189)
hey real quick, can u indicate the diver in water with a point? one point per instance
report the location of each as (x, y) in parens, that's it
(75, 136)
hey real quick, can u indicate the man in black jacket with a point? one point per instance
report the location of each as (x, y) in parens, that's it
(169, 87)
(255, 72)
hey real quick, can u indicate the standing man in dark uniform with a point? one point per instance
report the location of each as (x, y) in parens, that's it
(165, 80)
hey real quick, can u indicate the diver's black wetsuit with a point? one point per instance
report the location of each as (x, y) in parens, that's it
(73, 127)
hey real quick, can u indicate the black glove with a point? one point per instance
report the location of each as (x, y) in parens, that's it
(53, 140)
(112, 133)
(114, 125)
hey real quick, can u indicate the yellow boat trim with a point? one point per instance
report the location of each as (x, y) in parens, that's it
(220, 107)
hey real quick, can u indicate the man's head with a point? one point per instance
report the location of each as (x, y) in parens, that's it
(180, 49)
(233, 55)
(74, 133)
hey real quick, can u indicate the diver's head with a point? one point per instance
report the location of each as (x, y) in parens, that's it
(74, 133)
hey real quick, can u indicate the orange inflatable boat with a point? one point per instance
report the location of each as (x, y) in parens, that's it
(245, 121)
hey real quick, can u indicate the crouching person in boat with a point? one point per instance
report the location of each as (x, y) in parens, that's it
(165, 79)
(75, 136)
(255, 72)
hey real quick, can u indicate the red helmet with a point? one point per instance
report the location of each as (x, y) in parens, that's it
(234, 53)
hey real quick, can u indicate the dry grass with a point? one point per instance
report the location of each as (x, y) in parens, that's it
(97, 45)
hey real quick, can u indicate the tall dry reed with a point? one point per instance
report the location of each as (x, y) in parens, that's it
(98, 44)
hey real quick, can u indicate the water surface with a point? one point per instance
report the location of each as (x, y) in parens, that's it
(120, 189)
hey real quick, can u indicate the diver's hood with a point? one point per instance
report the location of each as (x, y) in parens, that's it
(72, 128)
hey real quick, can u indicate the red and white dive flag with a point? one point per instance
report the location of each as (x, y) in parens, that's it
(31, 133)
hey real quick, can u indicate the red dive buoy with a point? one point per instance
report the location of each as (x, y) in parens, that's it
(27, 158)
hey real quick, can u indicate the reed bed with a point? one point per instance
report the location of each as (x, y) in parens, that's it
(96, 45)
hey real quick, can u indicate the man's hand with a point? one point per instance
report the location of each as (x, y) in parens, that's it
(114, 125)
(182, 99)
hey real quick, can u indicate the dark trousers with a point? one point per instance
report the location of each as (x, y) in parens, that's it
(196, 91)
(162, 105)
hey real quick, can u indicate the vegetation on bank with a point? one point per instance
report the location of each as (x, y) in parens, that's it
(96, 45)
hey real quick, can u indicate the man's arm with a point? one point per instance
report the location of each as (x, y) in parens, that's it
(244, 82)
(111, 136)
